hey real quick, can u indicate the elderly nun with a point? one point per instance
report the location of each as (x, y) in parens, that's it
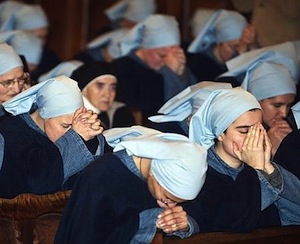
(50, 138)
(242, 184)
(154, 64)
(225, 35)
(175, 114)
(12, 75)
(98, 84)
(125, 194)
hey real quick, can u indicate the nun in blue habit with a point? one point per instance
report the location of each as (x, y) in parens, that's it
(239, 196)
(119, 198)
(10, 64)
(288, 154)
(145, 77)
(216, 42)
(49, 139)
(175, 114)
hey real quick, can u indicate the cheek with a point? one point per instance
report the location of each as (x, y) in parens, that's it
(54, 132)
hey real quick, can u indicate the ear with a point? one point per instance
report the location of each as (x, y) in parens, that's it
(221, 137)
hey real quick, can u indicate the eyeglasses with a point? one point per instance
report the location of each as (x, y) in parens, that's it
(24, 79)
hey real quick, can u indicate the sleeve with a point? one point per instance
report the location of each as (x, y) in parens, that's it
(288, 203)
(75, 153)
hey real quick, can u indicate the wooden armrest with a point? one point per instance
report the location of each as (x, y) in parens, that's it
(30, 205)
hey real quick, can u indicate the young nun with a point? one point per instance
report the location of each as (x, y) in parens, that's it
(120, 197)
(270, 75)
(50, 138)
(243, 189)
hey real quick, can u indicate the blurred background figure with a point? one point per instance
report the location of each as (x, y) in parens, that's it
(153, 68)
(33, 19)
(64, 68)
(123, 15)
(25, 44)
(276, 21)
(220, 35)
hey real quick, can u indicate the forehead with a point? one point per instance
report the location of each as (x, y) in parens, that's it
(283, 99)
(66, 119)
(12, 74)
(105, 79)
(248, 118)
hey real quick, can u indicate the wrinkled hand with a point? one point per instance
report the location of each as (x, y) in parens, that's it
(175, 59)
(86, 124)
(256, 149)
(172, 219)
(277, 132)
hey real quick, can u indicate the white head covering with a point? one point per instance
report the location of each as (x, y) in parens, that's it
(200, 19)
(187, 101)
(110, 40)
(64, 68)
(26, 17)
(224, 25)
(9, 58)
(54, 97)
(283, 53)
(266, 79)
(25, 44)
(134, 10)
(154, 32)
(296, 113)
(218, 112)
(177, 164)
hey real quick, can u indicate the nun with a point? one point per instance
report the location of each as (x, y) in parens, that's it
(32, 19)
(225, 35)
(288, 154)
(127, 13)
(270, 74)
(153, 69)
(175, 114)
(25, 44)
(121, 197)
(12, 75)
(244, 189)
(64, 68)
(275, 89)
(98, 84)
(50, 138)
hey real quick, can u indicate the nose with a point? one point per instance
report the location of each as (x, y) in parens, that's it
(17, 88)
(284, 110)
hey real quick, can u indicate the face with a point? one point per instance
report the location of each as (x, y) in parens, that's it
(228, 50)
(57, 126)
(11, 83)
(163, 197)
(277, 107)
(236, 134)
(41, 33)
(154, 57)
(102, 92)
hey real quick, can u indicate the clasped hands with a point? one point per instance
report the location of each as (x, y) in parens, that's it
(86, 124)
